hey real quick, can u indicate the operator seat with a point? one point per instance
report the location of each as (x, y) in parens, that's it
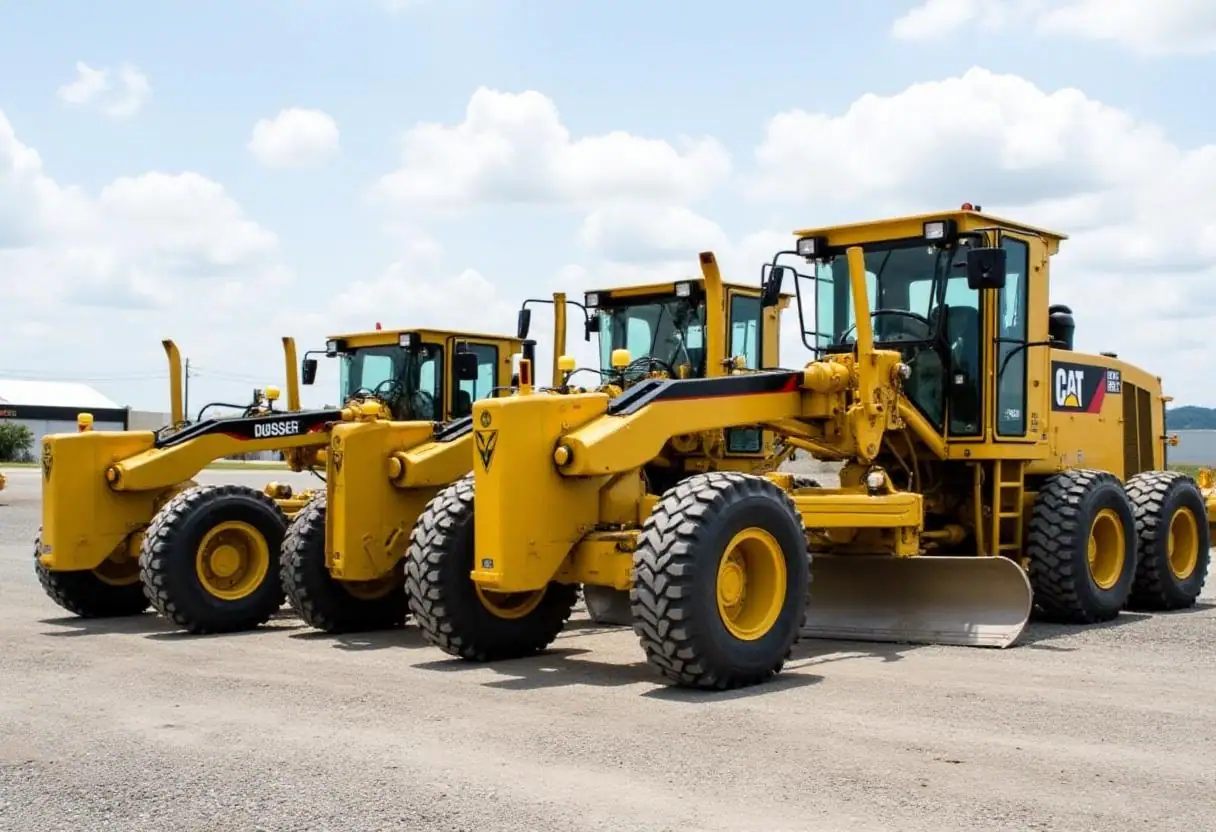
(463, 406)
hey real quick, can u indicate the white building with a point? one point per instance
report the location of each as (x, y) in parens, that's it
(52, 406)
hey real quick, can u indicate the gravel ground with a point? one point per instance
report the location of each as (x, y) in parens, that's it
(129, 725)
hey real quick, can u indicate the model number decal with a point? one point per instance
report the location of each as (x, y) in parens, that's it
(266, 430)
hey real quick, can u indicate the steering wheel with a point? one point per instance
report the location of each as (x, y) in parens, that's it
(642, 363)
(916, 316)
(423, 402)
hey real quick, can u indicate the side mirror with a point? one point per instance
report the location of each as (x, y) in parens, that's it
(465, 364)
(524, 324)
(770, 292)
(593, 325)
(308, 371)
(985, 268)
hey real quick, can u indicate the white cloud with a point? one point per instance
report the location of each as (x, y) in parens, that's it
(1140, 210)
(514, 148)
(296, 137)
(117, 94)
(146, 257)
(644, 233)
(1161, 28)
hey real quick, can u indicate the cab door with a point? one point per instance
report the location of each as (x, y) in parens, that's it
(464, 392)
(1012, 414)
(743, 328)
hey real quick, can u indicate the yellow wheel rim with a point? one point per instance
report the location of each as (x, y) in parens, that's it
(1107, 545)
(751, 584)
(120, 571)
(232, 560)
(510, 605)
(374, 589)
(1183, 544)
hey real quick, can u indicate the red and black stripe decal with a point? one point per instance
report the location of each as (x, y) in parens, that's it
(667, 390)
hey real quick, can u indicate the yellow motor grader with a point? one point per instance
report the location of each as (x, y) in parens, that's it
(124, 524)
(989, 468)
(342, 573)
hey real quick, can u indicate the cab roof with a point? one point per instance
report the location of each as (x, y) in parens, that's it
(391, 336)
(669, 288)
(895, 228)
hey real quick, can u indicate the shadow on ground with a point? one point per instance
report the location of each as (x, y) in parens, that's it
(407, 636)
(566, 666)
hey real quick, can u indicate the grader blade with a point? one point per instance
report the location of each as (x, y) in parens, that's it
(966, 601)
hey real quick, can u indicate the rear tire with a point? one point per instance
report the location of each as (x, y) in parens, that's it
(696, 628)
(445, 601)
(188, 587)
(1079, 512)
(1173, 541)
(324, 602)
(85, 594)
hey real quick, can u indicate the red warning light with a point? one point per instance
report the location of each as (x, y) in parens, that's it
(967, 206)
(377, 326)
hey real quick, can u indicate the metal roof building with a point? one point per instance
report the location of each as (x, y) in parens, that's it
(52, 394)
(51, 407)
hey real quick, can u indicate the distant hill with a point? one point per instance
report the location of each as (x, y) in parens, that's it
(1190, 417)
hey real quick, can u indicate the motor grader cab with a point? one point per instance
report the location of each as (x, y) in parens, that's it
(987, 466)
(124, 524)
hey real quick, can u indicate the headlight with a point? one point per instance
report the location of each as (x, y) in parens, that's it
(406, 339)
(592, 300)
(683, 290)
(808, 247)
(331, 347)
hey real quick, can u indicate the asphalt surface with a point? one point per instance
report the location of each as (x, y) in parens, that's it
(128, 725)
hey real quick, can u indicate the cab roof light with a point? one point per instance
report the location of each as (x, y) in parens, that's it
(811, 247)
(940, 231)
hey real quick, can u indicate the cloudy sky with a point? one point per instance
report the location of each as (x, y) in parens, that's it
(238, 170)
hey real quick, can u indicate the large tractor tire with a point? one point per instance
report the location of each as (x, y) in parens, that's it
(325, 603)
(1173, 541)
(111, 590)
(210, 560)
(720, 579)
(454, 613)
(1082, 547)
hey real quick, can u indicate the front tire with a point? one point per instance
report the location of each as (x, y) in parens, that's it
(454, 614)
(720, 580)
(112, 590)
(210, 560)
(325, 603)
(1173, 541)
(1082, 547)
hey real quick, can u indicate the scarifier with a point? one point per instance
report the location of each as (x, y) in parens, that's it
(988, 468)
(125, 525)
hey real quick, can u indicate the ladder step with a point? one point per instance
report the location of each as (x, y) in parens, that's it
(1009, 515)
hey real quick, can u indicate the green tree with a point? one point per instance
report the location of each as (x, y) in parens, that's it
(16, 442)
